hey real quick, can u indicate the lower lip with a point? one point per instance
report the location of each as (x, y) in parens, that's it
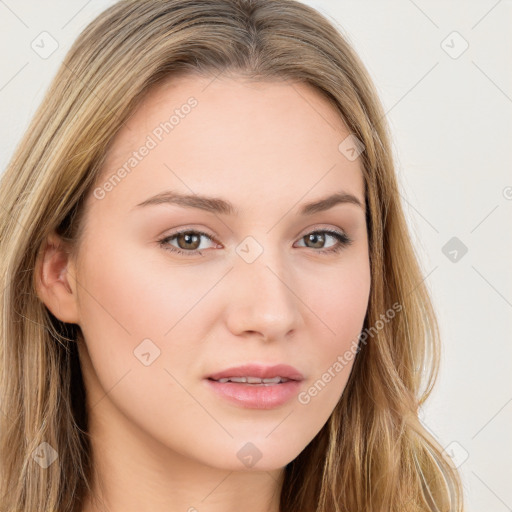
(256, 396)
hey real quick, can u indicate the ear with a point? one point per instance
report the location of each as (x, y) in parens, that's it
(55, 279)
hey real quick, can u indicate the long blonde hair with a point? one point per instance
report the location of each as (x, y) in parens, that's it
(373, 454)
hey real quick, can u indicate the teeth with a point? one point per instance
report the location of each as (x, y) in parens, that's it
(238, 379)
(254, 380)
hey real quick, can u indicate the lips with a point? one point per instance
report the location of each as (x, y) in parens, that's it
(254, 380)
(254, 386)
(258, 374)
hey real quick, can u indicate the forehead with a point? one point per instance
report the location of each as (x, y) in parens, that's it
(226, 136)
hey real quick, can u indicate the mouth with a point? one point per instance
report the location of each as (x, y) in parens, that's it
(256, 387)
(256, 374)
(253, 381)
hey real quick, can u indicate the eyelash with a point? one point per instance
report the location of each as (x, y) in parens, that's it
(342, 238)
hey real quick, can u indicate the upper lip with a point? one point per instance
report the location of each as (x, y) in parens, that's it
(260, 371)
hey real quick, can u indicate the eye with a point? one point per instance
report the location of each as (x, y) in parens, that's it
(319, 238)
(189, 241)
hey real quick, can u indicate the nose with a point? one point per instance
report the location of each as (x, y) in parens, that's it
(262, 301)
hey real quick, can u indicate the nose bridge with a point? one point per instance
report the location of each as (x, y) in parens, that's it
(264, 301)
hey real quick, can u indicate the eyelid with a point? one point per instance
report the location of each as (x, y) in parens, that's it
(339, 234)
(321, 227)
(194, 231)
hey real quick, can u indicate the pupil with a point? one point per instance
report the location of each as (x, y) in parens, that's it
(188, 237)
(319, 239)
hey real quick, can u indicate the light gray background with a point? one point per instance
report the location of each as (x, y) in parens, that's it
(451, 117)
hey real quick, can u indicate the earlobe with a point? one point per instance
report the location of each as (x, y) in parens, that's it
(55, 280)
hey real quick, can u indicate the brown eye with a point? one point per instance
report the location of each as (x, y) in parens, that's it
(188, 240)
(317, 239)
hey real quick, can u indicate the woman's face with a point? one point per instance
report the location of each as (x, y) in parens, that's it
(263, 285)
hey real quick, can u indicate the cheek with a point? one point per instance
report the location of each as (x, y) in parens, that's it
(340, 303)
(340, 299)
(345, 308)
(128, 310)
(138, 294)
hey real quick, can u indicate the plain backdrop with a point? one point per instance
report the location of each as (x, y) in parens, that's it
(443, 71)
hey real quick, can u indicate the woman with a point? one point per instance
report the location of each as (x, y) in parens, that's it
(211, 300)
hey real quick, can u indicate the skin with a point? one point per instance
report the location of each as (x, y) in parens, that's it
(162, 441)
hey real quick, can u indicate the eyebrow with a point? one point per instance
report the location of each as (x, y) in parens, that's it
(221, 206)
